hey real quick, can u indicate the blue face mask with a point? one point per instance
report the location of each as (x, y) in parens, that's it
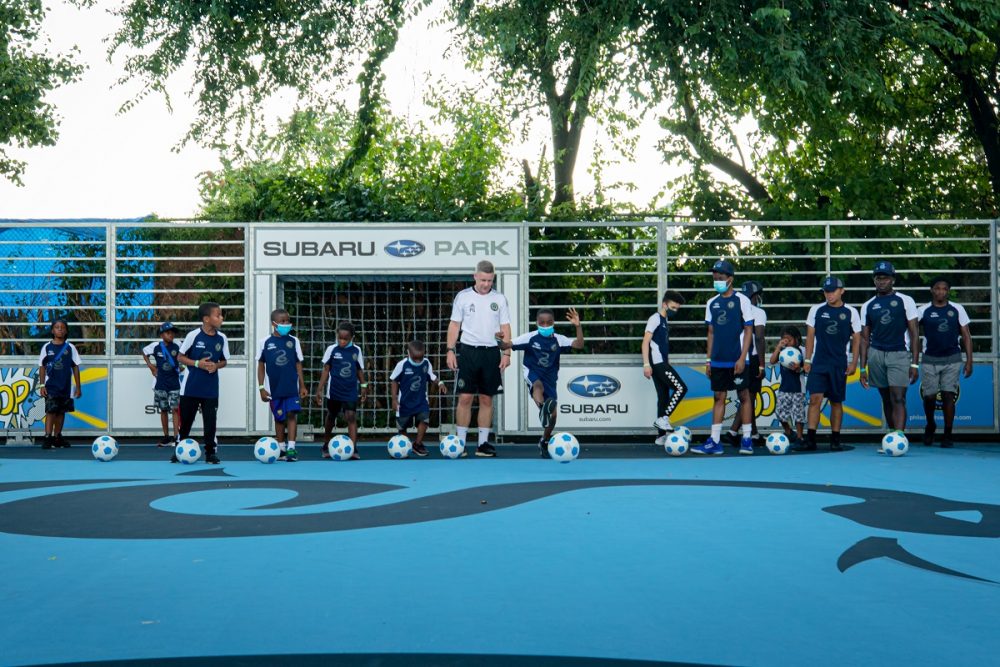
(546, 331)
(283, 329)
(720, 285)
(670, 313)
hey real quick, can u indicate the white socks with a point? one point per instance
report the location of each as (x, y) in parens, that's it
(717, 432)
(463, 433)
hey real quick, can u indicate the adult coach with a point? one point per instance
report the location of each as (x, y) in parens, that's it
(478, 313)
(889, 326)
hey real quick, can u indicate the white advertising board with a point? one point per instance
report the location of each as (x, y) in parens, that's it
(602, 398)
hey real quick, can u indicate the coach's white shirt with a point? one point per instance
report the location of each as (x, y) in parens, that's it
(480, 315)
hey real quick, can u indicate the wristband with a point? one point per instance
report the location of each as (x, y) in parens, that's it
(197, 361)
(364, 385)
(807, 361)
(506, 353)
(708, 361)
(451, 349)
(863, 369)
(646, 366)
(261, 387)
(914, 365)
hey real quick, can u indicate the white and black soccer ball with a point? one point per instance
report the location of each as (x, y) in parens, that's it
(266, 450)
(105, 448)
(451, 447)
(777, 443)
(188, 451)
(676, 444)
(400, 446)
(563, 447)
(894, 443)
(790, 356)
(341, 448)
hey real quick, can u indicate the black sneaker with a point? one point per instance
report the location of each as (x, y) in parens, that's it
(174, 459)
(486, 450)
(730, 439)
(836, 446)
(291, 455)
(758, 439)
(805, 446)
(48, 443)
(212, 457)
(928, 437)
(946, 443)
(166, 441)
(419, 449)
(61, 442)
(543, 449)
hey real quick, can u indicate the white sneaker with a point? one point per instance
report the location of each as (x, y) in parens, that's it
(662, 440)
(663, 423)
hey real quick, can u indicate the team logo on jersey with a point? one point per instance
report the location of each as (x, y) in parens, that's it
(951, 313)
(731, 304)
(404, 248)
(494, 306)
(831, 329)
(943, 326)
(289, 344)
(218, 347)
(723, 318)
(886, 318)
(843, 316)
(594, 385)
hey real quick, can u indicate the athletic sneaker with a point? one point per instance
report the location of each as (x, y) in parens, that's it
(291, 456)
(758, 440)
(326, 452)
(663, 423)
(662, 440)
(166, 441)
(804, 445)
(486, 450)
(212, 457)
(946, 443)
(729, 439)
(710, 447)
(545, 413)
(746, 446)
(355, 456)
(48, 442)
(419, 449)
(61, 442)
(543, 448)
(928, 437)
(174, 459)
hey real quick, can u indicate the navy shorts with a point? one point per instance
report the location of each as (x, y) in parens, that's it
(335, 406)
(281, 408)
(831, 382)
(406, 421)
(548, 389)
(725, 379)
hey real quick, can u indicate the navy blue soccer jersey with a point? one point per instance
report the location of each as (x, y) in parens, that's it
(942, 327)
(887, 317)
(200, 346)
(727, 315)
(59, 360)
(541, 354)
(280, 354)
(413, 379)
(833, 328)
(168, 368)
(791, 382)
(344, 363)
(659, 342)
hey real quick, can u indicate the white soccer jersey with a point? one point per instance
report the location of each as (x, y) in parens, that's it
(480, 316)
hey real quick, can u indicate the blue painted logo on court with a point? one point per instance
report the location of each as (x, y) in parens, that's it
(594, 385)
(404, 248)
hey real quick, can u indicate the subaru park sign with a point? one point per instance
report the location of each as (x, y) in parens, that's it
(402, 248)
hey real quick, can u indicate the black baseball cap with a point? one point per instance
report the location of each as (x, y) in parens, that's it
(832, 283)
(724, 266)
(883, 268)
(168, 326)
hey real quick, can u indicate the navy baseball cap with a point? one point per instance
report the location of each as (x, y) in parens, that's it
(752, 287)
(168, 326)
(832, 283)
(883, 268)
(724, 266)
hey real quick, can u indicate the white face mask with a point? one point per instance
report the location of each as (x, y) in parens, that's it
(720, 285)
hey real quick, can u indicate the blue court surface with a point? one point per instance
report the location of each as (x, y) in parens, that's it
(623, 555)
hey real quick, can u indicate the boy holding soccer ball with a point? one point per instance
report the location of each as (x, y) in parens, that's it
(342, 377)
(542, 349)
(791, 409)
(410, 379)
(280, 380)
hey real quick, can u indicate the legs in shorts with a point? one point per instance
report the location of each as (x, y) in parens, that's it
(334, 408)
(168, 403)
(829, 383)
(889, 373)
(478, 373)
(544, 396)
(943, 379)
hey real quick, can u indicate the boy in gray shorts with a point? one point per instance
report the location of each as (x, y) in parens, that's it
(161, 359)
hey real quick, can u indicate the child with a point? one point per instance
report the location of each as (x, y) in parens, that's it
(791, 408)
(410, 378)
(57, 362)
(754, 291)
(204, 351)
(343, 373)
(280, 383)
(729, 316)
(161, 359)
(542, 349)
(670, 388)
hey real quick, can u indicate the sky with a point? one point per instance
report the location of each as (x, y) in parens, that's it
(112, 165)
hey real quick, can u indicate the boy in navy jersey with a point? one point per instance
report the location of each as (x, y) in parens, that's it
(830, 327)
(343, 375)
(790, 408)
(729, 316)
(670, 388)
(945, 323)
(889, 324)
(58, 368)
(542, 349)
(410, 379)
(280, 380)
(205, 352)
(161, 359)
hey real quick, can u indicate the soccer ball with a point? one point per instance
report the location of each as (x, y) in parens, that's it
(676, 444)
(894, 443)
(104, 448)
(400, 446)
(684, 432)
(341, 448)
(266, 450)
(451, 447)
(777, 443)
(789, 356)
(563, 447)
(188, 451)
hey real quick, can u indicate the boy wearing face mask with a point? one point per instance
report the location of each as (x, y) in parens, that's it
(670, 388)
(729, 316)
(280, 380)
(542, 349)
(410, 380)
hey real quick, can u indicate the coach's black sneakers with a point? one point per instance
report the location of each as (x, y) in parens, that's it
(212, 457)
(543, 449)
(419, 449)
(729, 439)
(48, 443)
(486, 449)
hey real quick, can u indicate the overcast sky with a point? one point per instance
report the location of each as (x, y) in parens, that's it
(120, 166)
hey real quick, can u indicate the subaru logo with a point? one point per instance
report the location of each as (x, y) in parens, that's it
(404, 248)
(594, 386)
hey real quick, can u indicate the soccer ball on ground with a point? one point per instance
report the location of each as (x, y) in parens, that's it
(188, 451)
(400, 446)
(563, 447)
(266, 450)
(104, 448)
(676, 444)
(341, 448)
(790, 356)
(777, 443)
(684, 432)
(451, 447)
(894, 443)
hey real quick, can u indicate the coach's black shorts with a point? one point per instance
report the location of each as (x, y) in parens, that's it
(724, 379)
(59, 405)
(334, 407)
(479, 370)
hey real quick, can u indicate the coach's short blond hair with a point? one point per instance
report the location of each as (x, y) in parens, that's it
(485, 266)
